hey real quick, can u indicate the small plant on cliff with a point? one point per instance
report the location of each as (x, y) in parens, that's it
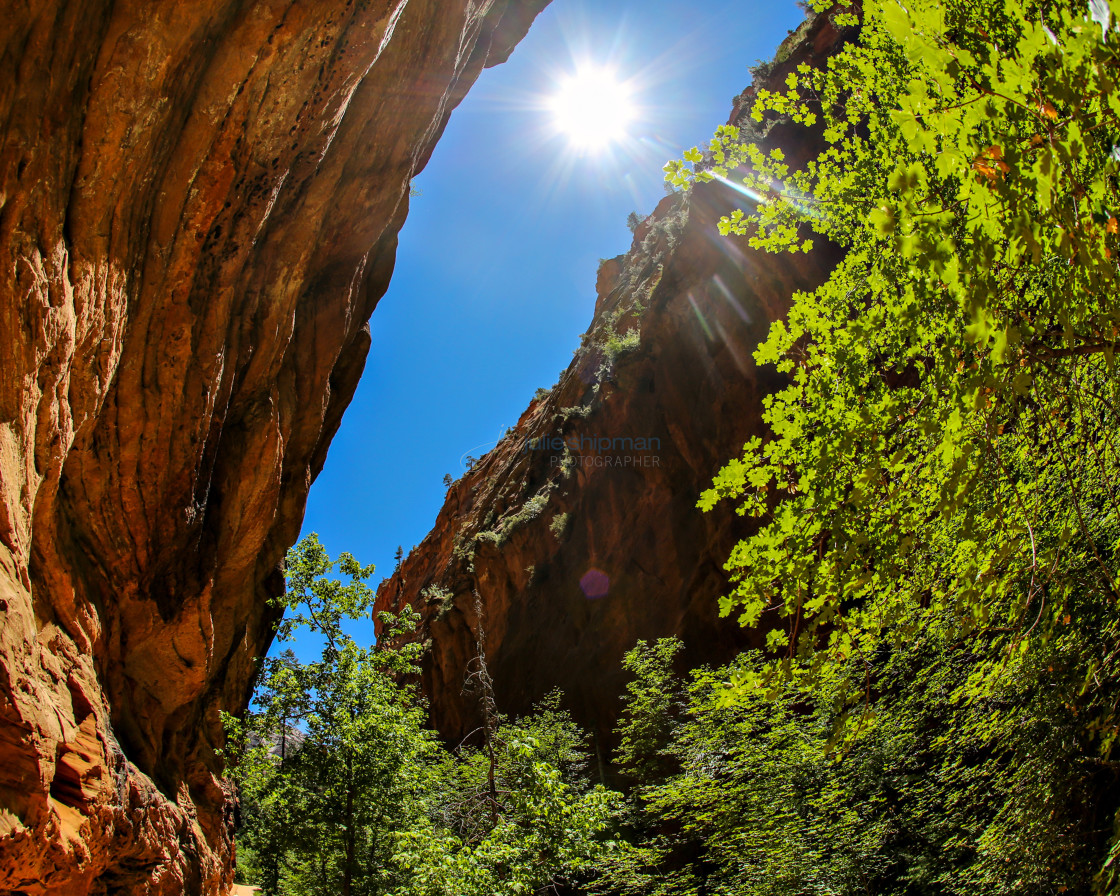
(443, 599)
(530, 510)
(567, 462)
(559, 525)
(582, 411)
(620, 343)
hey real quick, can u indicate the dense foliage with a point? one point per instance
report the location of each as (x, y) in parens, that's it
(345, 791)
(932, 794)
(938, 520)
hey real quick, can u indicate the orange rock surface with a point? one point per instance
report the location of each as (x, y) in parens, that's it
(199, 205)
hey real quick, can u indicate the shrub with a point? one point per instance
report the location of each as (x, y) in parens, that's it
(559, 525)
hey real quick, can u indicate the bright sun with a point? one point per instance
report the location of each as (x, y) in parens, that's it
(593, 108)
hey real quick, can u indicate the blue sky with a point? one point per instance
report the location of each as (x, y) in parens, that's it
(495, 275)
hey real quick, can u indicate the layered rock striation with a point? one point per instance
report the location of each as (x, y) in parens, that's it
(578, 534)
(199, 205)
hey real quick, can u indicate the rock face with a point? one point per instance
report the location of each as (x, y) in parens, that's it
(199, 205)
(578, 534)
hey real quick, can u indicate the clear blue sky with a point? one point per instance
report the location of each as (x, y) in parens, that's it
(495, 275)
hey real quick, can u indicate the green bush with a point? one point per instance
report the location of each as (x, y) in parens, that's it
(559, 525)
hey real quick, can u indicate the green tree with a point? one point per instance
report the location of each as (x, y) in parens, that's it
(334, 757)
(952, 382)
(955, 373)
(345, 790)
(937, 492)
(654, 702)
(931, 793)
(525, 822)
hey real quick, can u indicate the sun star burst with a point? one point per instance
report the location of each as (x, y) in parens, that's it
(593, 108)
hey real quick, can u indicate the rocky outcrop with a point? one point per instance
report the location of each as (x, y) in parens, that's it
(578, 534)
(199, 205)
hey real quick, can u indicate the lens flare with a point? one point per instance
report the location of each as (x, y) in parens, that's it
(595, 584)
(593, 108)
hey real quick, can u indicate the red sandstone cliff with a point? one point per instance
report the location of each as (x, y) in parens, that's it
(198, 212)
(579, 542)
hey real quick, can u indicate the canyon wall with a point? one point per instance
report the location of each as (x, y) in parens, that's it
(578, 534)
(199, 205)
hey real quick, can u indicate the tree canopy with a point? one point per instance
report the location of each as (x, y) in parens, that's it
(346, 790)
(936, 501)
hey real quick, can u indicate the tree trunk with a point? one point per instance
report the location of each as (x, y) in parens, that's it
(348, 862)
